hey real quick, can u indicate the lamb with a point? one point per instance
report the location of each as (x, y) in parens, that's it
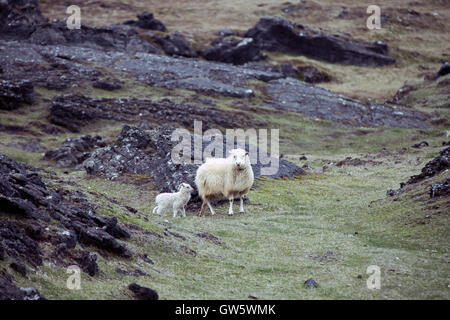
(220, 178)
(175, 201)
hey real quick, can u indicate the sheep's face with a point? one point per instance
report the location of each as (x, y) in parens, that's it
(240, 159)
(186, 187)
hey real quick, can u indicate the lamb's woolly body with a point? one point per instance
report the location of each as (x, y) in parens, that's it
(175, 201)
(221, 178)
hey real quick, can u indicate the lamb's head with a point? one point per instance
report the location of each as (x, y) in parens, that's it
(185, 187)
(240, 159)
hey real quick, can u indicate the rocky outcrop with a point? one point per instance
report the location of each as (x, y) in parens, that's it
(75, 111)
(38, 223)
(296, 96)
(9, 291)
(175, 45)
(107, 84)
(22, 20)
(444, 70)
(433, 167)
(73, 151)
(146, 20)
(233, 50)
(143, 293)
(308, 74)
(14, 93)
(440, 189)
(279, 34)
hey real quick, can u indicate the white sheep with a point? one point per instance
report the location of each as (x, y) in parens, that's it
(175, 201)
(228, 178)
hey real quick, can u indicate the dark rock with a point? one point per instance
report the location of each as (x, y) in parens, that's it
(112, 226)
(444, 70)
(311, 283)
(147, 259)
(433, 167)
(420, 145)
(278, 34)
(391, 193)
(73, 151)
(206, 86)
(19, 268)
(16, 244)
(378, 47)
(88, 262)
(233, 50)
(32, 146)
(103, 240)
(161, 71)
(22, 20)
(147, 21)
(143, 293)
(2, 252)
(15, 93)
(31, 208)
(343, 14)
(296, 96)
(31, 294)
(312, 75)
(440, 189)
(149, 152)
(19, 19)
(107, 85)
(8, 291)
(75, 111)
(175, 45)
(68, 238)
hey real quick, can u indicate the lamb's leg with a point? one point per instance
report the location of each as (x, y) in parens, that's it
(210, 207)
(202, 209)
(154, 210)
(230, 210)
(241, 207)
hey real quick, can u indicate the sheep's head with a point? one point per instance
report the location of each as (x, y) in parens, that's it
(186, 187)
(240, 159)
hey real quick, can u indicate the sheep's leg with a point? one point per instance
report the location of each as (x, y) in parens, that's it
(202, 210)
(230, 210)
(154, 210)
(184, 212)
(241, 207)
(210, 207)
(175, 211)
